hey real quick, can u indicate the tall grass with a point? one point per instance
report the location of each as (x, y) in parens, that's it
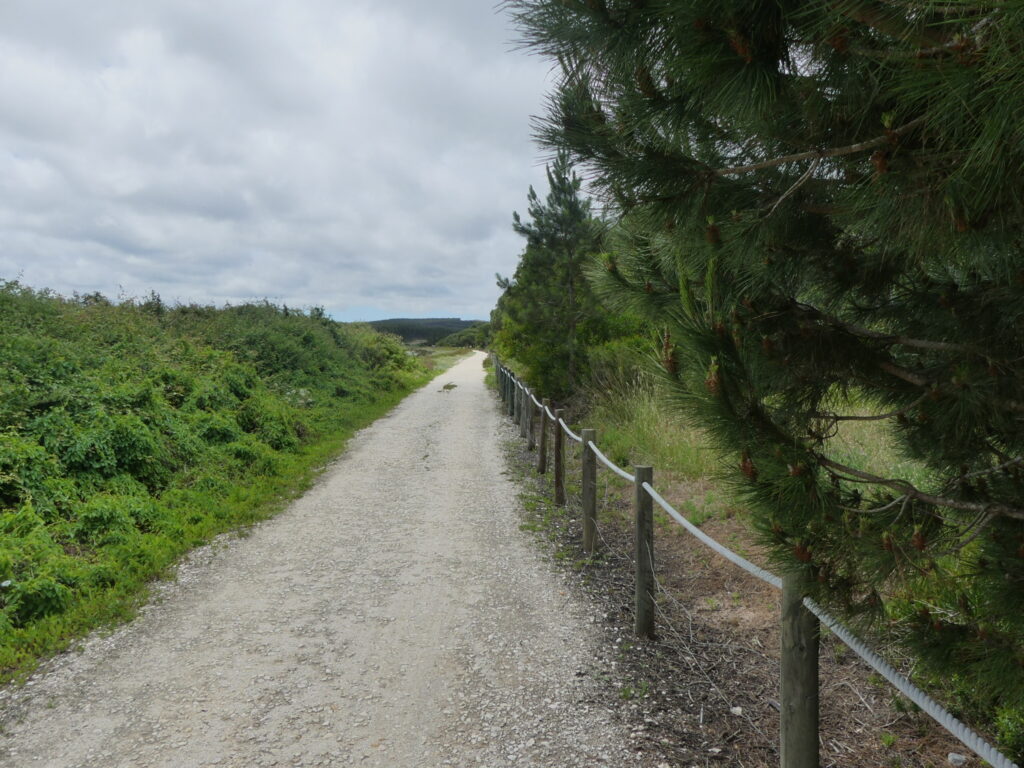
(637, 423)
(635, 426)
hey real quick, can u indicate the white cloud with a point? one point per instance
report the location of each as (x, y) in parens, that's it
(362, 156)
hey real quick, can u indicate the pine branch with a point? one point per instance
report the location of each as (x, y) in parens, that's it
(823, 153)
(880, 417)
(907, 376)
(874, 16)
(993, 508)
(800, 182)
(985, 472)
(886, 338)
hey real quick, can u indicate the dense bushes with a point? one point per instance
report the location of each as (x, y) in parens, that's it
(131, 432)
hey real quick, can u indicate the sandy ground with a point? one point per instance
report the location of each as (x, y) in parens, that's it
(394, 616)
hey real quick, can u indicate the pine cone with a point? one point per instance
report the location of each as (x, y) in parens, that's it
(747, 467)
(917, 541)
(880, 159)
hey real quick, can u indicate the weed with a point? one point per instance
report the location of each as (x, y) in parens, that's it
(637, 691)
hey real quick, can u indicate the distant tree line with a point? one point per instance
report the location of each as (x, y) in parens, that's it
(428, 331)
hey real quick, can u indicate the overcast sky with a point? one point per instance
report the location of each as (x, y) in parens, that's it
(361, 156)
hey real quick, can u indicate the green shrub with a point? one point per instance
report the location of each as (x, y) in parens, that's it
(269, 421)
(35, 599)
(131, 432)
(105, 520)
(1010, 729)
(24, 467)
(217, 428)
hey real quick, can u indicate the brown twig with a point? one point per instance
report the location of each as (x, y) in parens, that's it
(992, 507)
(821, 154)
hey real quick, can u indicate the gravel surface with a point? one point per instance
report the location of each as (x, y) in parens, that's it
(394, 616)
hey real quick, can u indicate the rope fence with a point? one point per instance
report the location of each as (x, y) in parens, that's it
(801, 616)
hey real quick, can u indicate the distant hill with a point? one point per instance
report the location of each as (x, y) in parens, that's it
(424, 330)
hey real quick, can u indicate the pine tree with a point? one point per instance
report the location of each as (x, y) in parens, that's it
(547, 314)
(822, 204)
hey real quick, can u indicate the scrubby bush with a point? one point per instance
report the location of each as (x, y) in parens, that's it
(131, 432)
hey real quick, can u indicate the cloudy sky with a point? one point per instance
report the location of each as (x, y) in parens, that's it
(363, 156)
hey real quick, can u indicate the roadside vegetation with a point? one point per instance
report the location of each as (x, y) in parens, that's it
(131, 433)
(806, 273)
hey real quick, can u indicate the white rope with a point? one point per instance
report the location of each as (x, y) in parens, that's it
(943, 717)
(728, 554)
(608, 463)
(549, 413)
(536, 402)
(569, 432)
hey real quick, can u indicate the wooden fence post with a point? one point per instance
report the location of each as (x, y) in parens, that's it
(798, 694)
(531, 424)
(524, 405)
(511, 395)
(518, 412)
(542, 451)
(644, 538)
(589, 463)
(559, 450)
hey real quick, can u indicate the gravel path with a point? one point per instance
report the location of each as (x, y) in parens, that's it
(393, 616)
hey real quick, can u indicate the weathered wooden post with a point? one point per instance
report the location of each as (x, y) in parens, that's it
(511, 395)
(542, 451)
(531, 424)
(644, 537)
(798, 694)
(589, 463)
(559, 451)
(517, 413)
(524, 411)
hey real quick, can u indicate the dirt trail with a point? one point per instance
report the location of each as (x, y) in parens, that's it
(394, 616)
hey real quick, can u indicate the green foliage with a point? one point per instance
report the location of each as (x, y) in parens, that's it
(821, 206)
(429, 331)
(1010, 727)
(477, 336)
(547, 317)
(130, 433)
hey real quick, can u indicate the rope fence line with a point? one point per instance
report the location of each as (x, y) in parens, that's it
(728, 554)
(572, 435)
(799, 728)
(932, 708)
(610, 464)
